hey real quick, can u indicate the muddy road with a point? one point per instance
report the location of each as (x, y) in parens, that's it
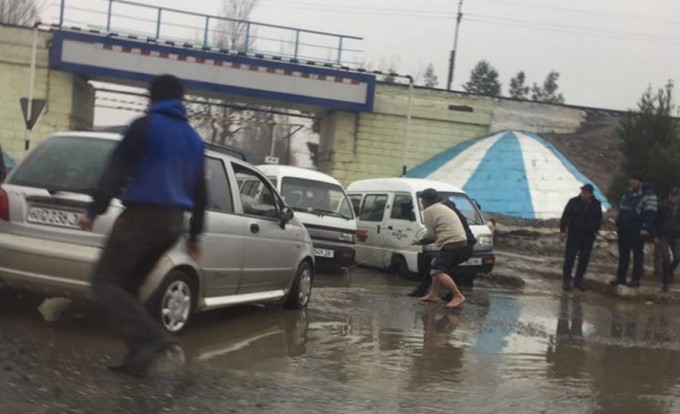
(361, 347)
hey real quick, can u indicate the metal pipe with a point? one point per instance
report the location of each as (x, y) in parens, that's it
(297, 44)
(408, 125)
(340, 50)
(31, 87)
(205, 34)
(247, 40)
(108, 16)
(158, 23)
(62, 5)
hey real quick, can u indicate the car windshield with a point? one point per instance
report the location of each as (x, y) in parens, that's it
(316, 197)
(65, 163)
(465, 205)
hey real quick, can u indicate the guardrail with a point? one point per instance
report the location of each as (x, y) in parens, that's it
(210, 30)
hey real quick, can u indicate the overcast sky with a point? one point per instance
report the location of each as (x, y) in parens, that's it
(607, 51)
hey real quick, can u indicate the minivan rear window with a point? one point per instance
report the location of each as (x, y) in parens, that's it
(316, 197)
(65, 163)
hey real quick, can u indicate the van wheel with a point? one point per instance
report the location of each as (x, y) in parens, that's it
(400, 267)
(299, 294)
(174, 301)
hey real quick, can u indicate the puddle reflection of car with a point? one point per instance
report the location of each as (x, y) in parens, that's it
(254, 249)
(259, 333)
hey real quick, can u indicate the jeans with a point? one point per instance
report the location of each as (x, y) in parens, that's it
(630, 240)
(577, 244)
(139, 238)
(669, 263)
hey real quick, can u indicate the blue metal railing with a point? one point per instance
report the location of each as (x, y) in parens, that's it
(253, 37)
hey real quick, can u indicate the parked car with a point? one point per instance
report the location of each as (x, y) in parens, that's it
(254, 248)
(322, 205)
(389, 217)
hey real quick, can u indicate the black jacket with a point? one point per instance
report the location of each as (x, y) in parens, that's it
(637, 210)
(471, 240)
(582, 218)
(668, 220)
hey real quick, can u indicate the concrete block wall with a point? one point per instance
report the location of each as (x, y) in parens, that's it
(368, 145)
(70, 99)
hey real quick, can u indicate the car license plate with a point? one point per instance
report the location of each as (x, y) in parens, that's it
(475, 261)
(53, 217)
(324, 253)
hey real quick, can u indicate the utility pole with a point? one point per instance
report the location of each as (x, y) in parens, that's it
(452, 58)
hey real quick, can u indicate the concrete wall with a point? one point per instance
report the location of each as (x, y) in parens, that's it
(367, 145)
(70, 100)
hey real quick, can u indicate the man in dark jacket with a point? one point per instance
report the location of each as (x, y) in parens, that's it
(581, 220)
(635, 222)
(668, 232)
(159, 169)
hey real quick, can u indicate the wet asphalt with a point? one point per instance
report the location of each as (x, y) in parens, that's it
(362, 346)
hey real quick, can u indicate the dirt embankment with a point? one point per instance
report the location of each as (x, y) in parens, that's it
(594, 150)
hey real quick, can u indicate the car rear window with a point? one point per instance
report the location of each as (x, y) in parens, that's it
(65, 163)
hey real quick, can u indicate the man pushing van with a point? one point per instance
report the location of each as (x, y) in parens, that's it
(445, 229)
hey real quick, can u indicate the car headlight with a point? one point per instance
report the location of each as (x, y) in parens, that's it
(485, 240)
(347, 237)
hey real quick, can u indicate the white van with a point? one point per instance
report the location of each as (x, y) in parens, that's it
(320, 202)
(389, 217)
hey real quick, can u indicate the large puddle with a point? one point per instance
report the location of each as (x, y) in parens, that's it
(363, 346)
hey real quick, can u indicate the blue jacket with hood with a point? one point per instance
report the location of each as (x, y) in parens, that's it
(160, 163)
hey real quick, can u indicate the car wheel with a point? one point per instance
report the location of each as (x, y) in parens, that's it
(174, 302)
(400, 267)
(299, 294)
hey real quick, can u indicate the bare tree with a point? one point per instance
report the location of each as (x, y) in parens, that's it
(235, 33)
(20, 12)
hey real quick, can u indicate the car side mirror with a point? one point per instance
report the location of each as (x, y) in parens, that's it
(479, 206)
(285, 216)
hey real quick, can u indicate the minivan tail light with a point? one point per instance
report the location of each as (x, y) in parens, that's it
(4, 205)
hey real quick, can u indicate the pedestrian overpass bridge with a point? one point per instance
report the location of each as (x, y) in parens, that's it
(293, 79)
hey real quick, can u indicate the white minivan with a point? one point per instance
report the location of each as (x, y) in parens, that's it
(389, 217)
(320, 202)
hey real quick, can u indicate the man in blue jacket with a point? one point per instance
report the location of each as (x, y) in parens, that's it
(635, 222)
(158, 171)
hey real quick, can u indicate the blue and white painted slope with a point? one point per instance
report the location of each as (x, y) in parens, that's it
(510, 172)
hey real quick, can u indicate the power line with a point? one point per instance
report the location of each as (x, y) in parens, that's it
(587, 12)
(581, 30)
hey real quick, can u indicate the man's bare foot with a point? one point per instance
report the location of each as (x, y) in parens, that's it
(456, 302)
(429, 298)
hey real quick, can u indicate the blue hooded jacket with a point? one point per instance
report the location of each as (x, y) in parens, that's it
(172, 162)
(160, 163)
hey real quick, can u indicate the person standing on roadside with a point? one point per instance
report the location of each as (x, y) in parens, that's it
(635, 222)
(581, 220)
(445, 229)
(160, 163)
(668, 232)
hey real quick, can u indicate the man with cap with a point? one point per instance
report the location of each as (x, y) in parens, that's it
(581, 220)
(635, 222)
(668, 232)
(445, 229)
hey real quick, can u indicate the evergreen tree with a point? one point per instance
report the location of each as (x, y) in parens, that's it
(430, 79)
(517, 88)
(650, 143)
(483, 80)
(548, 92)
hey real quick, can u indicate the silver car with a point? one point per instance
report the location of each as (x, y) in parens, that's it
(254, 249)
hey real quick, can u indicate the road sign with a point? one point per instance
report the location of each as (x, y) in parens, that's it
(36, 108)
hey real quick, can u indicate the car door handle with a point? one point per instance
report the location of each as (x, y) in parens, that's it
(389, 228)
(378, 229)
(254, 228)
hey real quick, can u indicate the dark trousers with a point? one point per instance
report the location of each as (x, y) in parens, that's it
(670, 257)
(630, 240)
(139, 238)
(578, 244)
(424, 270)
